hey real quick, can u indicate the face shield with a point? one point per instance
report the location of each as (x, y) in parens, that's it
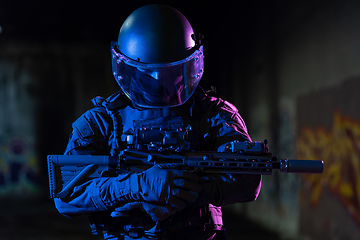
(157, 85)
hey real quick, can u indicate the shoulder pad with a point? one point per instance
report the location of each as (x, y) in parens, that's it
(83, 127)
(91, 127)
(229, 107)
(93, 124)
(115, 101)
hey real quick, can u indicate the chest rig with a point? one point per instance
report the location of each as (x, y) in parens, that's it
(162, 134)
(155, 134)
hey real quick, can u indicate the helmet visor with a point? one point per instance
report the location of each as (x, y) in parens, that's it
(158, 85)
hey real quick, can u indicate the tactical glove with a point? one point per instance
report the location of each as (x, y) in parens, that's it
(165, 184)
(156, 212)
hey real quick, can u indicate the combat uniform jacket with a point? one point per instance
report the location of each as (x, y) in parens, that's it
(101, 131)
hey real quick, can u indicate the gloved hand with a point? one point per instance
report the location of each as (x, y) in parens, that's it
(165, 184)
(156, 212)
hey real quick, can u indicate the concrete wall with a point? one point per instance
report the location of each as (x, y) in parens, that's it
(314, 46)
(44, 87)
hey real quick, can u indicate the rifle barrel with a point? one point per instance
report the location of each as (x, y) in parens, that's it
(301, 166)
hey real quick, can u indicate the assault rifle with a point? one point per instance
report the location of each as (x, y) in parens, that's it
(67, 171)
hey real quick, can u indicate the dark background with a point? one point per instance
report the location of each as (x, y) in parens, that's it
(230, 28)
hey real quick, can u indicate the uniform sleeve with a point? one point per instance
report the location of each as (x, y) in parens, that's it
(98, 194)
(89, 134)
(89, 137)
(225, 125)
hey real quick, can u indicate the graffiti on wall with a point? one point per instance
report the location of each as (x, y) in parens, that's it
(19, 169)
(339, 148)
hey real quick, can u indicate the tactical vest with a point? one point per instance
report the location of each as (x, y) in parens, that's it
(207, 218)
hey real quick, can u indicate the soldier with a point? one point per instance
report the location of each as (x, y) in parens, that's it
(158, 62)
